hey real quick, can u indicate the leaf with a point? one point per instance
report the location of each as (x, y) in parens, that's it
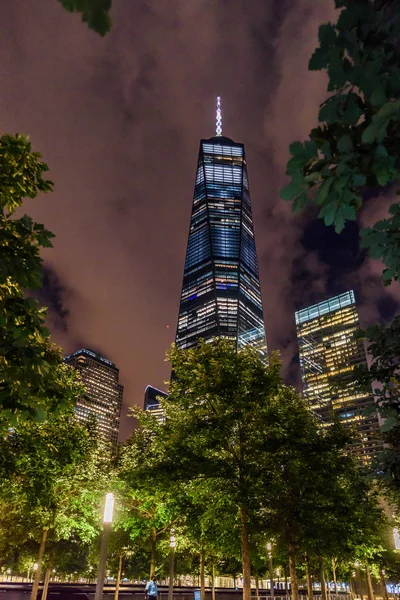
(319, 60)
(327, 35)
(380, 151)
(296, 148)
(382, 175)
(291, 191)
(345, 144)
(344, 213)
(328, 213)
(323, 190)
(378, 96)
(94, 12)
(370, 134)
(359, 179)
(299, 203)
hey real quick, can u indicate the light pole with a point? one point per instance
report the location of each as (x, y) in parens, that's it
(396, 538)
(271, 571)
(172, 544)
(107, 520)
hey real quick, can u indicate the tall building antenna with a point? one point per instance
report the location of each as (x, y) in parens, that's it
(219, 117)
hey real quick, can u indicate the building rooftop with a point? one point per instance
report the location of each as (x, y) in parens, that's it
(90, 354)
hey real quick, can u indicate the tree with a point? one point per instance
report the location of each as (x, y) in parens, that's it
(146, 512)
(354, 152)
(55, 484)
(228, 419)
(383, 376)
(33, 380)
(94, 12)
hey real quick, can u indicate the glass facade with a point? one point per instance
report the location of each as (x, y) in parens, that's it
(221, 288)
(151, 403)
(329, 352)
(103, 399)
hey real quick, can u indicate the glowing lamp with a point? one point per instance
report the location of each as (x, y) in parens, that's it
(108, 508)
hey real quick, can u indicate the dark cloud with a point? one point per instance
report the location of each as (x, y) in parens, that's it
(119, 121)
(55, 296)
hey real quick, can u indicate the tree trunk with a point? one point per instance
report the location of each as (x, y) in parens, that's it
(370, 589)
(309, 581)
(202, 575)
(294, 584)
(384, 588)
(117, 584)
(257, 586)
(334, 574)
(153, 553)
(46, 583)
(328, 589)
(286, 581)
(245, 555)
(213, 581)
(322, 578)
(38, 571)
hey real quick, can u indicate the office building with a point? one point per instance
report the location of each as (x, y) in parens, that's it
(104, 393)
(329, 352)
(151, 402)
(221, 294)
(221, 289)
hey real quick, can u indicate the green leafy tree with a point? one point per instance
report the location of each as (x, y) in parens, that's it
(94, 12)
(146, 511)
(383, 376)
(55, 484)
(33, 380)
(228, 421)
(354, 149)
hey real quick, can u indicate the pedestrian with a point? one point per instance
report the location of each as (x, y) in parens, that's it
(151, 591)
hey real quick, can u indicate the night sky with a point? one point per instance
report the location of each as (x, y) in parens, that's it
(119, 119)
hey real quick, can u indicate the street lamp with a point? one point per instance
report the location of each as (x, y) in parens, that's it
(271, 571)
(172, 544)
(396, 539)
(107, 520)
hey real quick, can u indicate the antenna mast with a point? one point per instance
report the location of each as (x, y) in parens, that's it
(219, 117)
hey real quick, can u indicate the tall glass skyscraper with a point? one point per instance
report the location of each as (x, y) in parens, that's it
(103, 399)
(329, 352)
(221, 294)
(221, 289)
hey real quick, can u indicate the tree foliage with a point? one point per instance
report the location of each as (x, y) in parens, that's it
(234, 433)
(33, 380)
(383, 376)
(355, 148)
(94, 12)
(52, 487)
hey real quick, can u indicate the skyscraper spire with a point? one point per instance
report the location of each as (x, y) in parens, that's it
(219, 117)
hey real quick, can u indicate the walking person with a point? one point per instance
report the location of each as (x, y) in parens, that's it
(151, 591)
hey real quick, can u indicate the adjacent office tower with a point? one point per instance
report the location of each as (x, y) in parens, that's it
(221, 289)
(151, 403)
(329, 351)
(103, 397)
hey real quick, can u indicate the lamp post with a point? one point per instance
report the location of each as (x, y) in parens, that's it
(396, 538)
(107, 520)
(172, 544)
(271, 571)
(358, 580)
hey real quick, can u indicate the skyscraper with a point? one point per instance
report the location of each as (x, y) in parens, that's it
(103, 397)
(151, 403)
(329, 352)
(221, 294)
(221, 289)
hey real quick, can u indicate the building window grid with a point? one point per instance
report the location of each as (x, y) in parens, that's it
(334, 352)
